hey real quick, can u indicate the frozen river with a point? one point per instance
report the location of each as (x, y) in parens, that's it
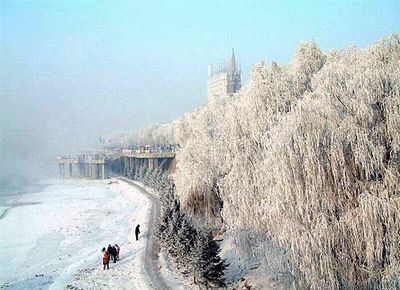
(51, 235)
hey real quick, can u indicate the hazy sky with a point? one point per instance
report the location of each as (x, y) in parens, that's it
(74, 70)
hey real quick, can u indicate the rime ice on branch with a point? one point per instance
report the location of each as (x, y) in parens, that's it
(311, 151)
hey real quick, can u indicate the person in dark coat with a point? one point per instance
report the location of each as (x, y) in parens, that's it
(114, 253)
(137, 232)
(110, 250)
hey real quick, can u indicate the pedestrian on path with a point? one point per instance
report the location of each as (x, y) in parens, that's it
(106, 258)
(110, 251)
(137, 232)
(114, 253)
(118, 249)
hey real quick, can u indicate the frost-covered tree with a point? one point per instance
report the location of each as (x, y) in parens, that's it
(169, 223)
(311, 151)
(119, 139)
(327, 183)
(208, 266)
(308, 60)
(193, 250)
(198, 171)
(186, 238)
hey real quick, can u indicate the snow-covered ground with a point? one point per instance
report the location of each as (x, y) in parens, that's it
(51, 239)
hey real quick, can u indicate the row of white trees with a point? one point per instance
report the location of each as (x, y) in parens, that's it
(309, 150)
(192, 247)
(175, 132)
(302, 166)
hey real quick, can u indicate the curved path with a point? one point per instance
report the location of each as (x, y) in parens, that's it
(152, 249)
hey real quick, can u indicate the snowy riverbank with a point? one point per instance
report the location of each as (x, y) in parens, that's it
(52, 238)
(53, 234)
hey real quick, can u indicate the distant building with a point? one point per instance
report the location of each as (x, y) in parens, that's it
(223, 80)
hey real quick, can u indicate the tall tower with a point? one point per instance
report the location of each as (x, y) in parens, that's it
(223, 80)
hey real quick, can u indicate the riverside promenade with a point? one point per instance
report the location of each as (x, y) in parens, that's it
(118, 161)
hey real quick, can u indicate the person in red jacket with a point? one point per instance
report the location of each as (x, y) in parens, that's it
(106, 258)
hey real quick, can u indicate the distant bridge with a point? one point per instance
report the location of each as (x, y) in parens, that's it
(93, 167)
(118, 161)
(128, 160)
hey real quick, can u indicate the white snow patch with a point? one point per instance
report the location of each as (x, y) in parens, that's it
(53, 238)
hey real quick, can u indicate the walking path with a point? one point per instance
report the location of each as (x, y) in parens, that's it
(152, 249)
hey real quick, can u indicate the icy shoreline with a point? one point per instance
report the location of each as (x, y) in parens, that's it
(54, 237)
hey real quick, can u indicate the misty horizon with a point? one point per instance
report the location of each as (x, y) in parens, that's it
(72, 72)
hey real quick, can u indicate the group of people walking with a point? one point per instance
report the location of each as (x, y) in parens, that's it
(112, 253)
